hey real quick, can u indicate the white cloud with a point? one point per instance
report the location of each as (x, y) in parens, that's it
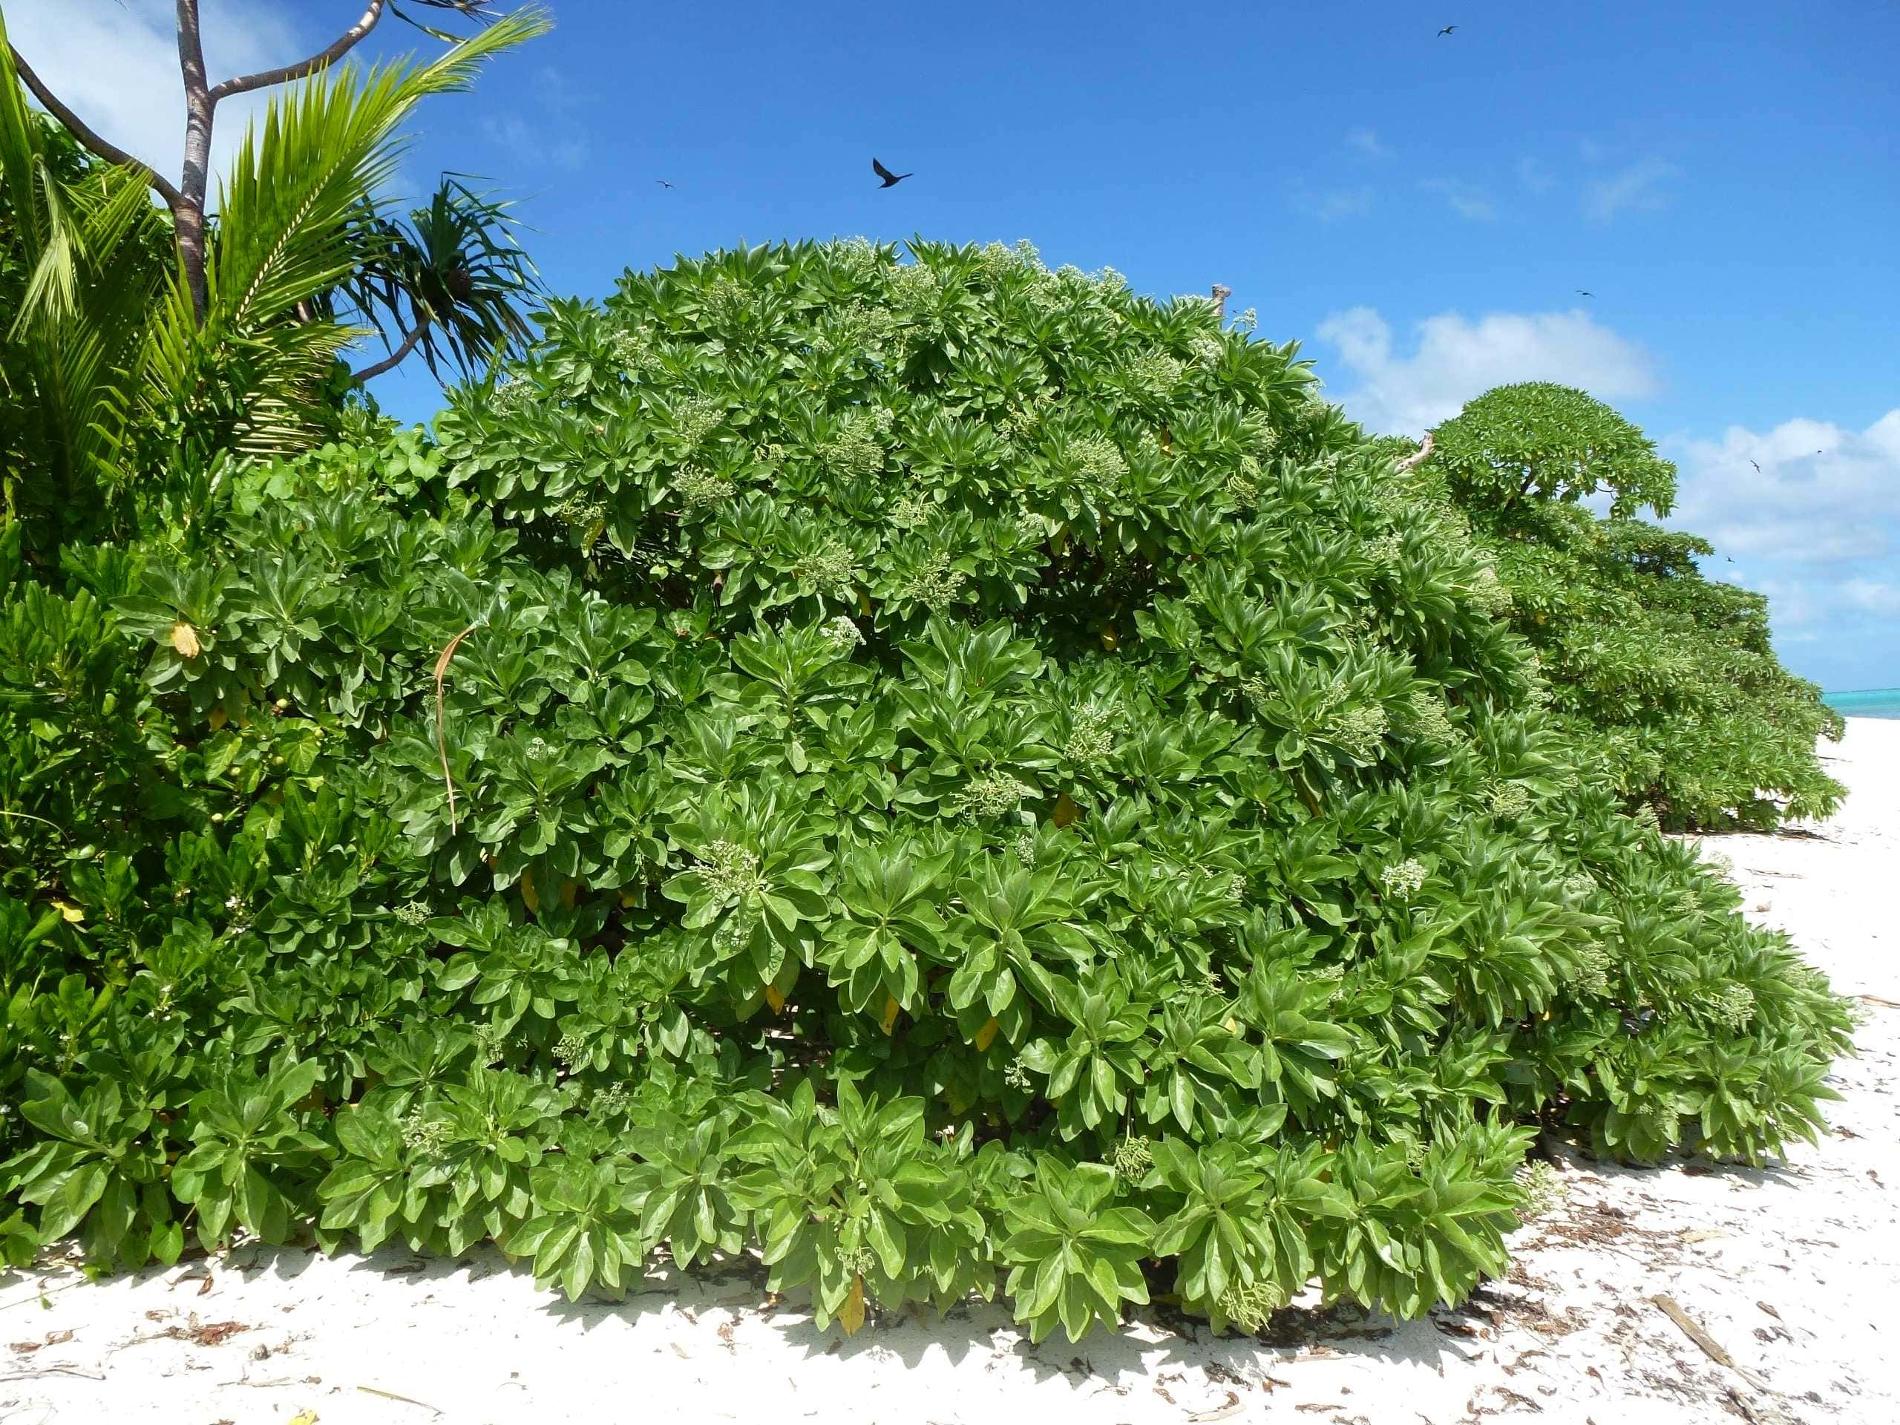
(115, 62)
(554, 135)
(1366, 141)
(1636, 187)
(1806, 492)
(1332, 204)
(1534, 176)
(1872, 595)
(1465, 199)
(1455, 359)
(1808, 513)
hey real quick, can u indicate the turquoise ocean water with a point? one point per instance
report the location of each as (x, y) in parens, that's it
(1873, 702)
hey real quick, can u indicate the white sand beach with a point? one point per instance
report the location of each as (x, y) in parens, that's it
(1786, 1273)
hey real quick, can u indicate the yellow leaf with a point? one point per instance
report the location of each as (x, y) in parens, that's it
(629, 899)
(1066, 812)
(1111, 640)
(774, 998)
(529, 894)
(864, 603)
(986, 1035)
(891, 1006)
(304, 1417)
(72, 914)
(851, 1314)
(185, 639)
(218, 717)
(568, 890)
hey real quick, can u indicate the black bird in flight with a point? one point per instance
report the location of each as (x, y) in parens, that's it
(1757, 467)
(1447, 30)
(663, 183)
(1582, 293)
(891, 180)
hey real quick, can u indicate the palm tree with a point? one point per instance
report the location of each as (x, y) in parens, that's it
(126, 356)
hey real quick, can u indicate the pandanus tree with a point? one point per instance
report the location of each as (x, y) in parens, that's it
(147, 335)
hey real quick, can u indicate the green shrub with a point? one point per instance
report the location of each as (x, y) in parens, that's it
(1663, 679)
(947, 773)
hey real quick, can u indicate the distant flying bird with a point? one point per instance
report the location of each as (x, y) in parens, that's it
(663, 183)
(1447, 30)
(1582, 293)
(891, 180)
(1757, 467)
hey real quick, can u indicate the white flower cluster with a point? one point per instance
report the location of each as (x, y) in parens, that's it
(1386, 550)
(1360, 730)
(1489, 593)
(1099, 462)
(1734, 1008)
(1543, 1189)
(992, 794)
(1132, 1158)
(913, 285)
(570, 1050)
(632, 349)
(1429, 720)
(1024, 847)
(423, 1135)
(1091, 734)
(935, 584)
(1208, 350)
(612, 1100)
(841, 632)
(853, 453)
(1509, 800)
(1250, 1305)
(1001, 260)
(1403, 879)
(1592, 976)
(731, 872)
(511, 394)
(831, 566)
(909, 510)
(727, 302)
(702, 487)
(696, 417)
(1153, 373)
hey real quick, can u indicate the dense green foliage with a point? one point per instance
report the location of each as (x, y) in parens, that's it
(1664, 678)
(951, 773)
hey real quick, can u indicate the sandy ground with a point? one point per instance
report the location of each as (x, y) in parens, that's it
(1788, 1272)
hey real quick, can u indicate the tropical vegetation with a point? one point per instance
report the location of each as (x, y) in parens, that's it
(946, 774)
(1663, 677)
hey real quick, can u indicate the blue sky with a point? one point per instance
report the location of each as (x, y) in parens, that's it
(1418, 211)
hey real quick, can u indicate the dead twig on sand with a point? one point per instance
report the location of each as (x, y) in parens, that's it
(52, 1371)
(1708, 1345)
(405, 1399)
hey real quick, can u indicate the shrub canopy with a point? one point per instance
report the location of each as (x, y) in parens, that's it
(949, 772)
(1664, 679)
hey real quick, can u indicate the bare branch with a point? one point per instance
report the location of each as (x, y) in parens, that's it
(195, 180)
(1417, 457)
(343, 44)
(110, 152)
(395, 358)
